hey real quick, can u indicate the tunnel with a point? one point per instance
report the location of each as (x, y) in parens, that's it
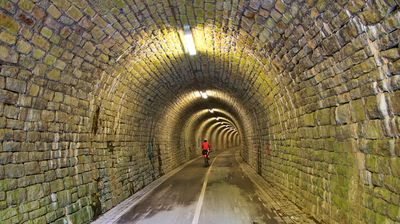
(100, 99)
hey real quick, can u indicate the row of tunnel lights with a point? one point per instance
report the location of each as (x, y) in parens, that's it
(204, 95)
(190, 46)
(221, 123)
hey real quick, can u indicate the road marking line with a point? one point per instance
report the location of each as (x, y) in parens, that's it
(114, 214)
(201, 198)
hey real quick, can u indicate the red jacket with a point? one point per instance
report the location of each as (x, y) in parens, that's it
(205, 145)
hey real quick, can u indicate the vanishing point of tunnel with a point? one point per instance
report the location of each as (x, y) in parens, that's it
(104, 105)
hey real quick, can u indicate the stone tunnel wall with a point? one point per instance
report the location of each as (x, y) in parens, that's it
(73, 143)
(334, 140)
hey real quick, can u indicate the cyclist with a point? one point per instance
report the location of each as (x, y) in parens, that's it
(205, 151)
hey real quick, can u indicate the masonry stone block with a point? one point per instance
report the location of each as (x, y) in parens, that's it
(16, 196)
(31, 168)
(343, 115)
(40, 42)
(14, 170)
(8, 38)
(23, 47)
(395, 103)
(56, 185)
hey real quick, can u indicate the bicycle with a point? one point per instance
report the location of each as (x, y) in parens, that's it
(206, 156)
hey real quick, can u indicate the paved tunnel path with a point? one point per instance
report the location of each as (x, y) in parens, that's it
(224, 195)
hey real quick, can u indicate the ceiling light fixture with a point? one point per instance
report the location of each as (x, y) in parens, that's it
(188, 40)
(203, 94)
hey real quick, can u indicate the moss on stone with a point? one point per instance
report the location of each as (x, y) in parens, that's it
(9, 23)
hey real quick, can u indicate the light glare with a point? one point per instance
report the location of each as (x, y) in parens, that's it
(203, 95)
(188, 41)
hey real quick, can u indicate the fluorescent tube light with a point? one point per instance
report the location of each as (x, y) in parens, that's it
(188, 40)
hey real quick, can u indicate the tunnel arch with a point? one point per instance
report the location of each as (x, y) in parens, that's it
(207, 126)
(223, 139)
(196, 120)
(227, 138)
(97, 86)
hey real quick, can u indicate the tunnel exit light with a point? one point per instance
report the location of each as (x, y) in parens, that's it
(188, 40)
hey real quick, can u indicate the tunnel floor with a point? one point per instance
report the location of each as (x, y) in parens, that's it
(221, 193)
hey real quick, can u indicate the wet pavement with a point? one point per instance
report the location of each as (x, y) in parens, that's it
(229, 196)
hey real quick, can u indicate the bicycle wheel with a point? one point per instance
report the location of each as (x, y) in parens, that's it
(205, 161)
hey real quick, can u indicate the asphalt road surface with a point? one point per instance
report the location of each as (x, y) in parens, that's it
(218, 194)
